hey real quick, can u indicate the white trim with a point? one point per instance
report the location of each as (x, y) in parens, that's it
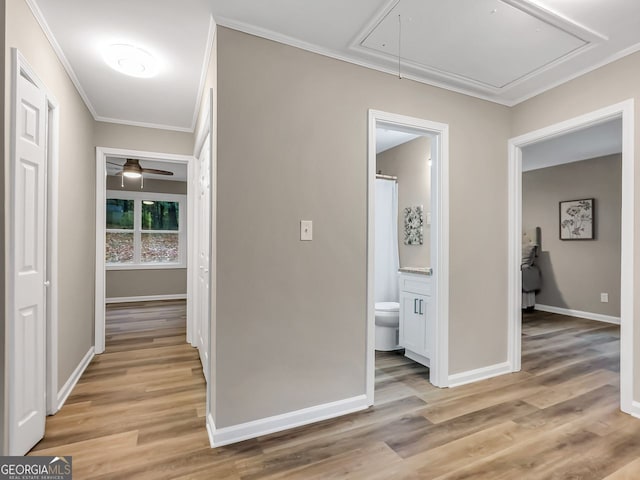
(147, 298)
(101, 198)
(470, 376)
(345, 57)
(211, 36)
(71, 382)
(635, 409)
(439, 134)
(211, 429)
(625, 110)
(327, 52)
(134, 123)
(277, 423)
(53, 132)
(598, 317)
(39, 16)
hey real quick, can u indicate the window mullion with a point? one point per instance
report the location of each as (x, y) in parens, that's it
(137, 237)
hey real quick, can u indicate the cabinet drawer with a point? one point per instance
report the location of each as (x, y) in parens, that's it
(415, 284)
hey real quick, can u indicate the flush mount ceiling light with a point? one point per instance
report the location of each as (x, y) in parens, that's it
(130, 60)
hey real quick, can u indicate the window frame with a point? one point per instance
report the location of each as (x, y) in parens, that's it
(137, 230)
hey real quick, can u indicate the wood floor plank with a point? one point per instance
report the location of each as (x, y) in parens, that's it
(138, 413)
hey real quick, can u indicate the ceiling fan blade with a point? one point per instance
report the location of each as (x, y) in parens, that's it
(116, 164)
(156, 172)
(119, 174)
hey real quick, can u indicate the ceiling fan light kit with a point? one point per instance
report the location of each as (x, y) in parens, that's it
(133, 169)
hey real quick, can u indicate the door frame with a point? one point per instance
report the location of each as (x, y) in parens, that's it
(625, 111)
(20, 66)
(101, 198)
(439, 135)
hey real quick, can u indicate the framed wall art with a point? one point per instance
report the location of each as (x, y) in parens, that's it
(576, 219)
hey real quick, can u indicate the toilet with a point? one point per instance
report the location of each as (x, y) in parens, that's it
(387, 322)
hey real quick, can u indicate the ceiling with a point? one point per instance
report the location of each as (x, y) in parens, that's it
(504, 51)
(386, 139)
(179, 169)
(176, 37)
(592, 142)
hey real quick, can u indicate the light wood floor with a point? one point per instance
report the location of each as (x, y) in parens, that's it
(138, 412)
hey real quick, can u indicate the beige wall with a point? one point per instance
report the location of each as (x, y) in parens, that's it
(142, 283)
(140, 138)
(605, 86)
(409, 162)
(291, 315)
(76, 187)
(575, 273)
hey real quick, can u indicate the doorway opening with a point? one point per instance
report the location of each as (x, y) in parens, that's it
(573, 218)
(419, 294)
(142, 230)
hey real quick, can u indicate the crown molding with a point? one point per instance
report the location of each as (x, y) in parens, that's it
(37, 13)
(133, 123)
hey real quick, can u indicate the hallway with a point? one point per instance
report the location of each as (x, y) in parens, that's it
(138, 413)
(146, 388)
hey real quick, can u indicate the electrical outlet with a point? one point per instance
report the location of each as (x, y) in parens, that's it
(604, 297)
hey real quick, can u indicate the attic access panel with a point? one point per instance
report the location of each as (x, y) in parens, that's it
(487, 42)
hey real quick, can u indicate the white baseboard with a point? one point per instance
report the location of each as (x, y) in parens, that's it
(147, 298)
(66, 389)
(211, 428)
(635, 409)
(577, 313)
(277, 423)
(478, 374)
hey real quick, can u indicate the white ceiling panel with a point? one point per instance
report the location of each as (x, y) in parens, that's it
(469, 38)
(176, 36)
(501, 50)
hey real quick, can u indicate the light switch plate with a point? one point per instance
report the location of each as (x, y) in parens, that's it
(306, 230)
(604, 297)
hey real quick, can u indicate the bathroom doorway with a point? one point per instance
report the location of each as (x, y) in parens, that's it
(407, 250)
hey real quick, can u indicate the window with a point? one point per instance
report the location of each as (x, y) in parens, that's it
(145, 230)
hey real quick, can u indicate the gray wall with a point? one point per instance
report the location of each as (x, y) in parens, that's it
(142, 283)
(291, 315)
(150, 185)
(140, 138)
(76, 252)
(576, 272)
(409, 162)
(600, 88)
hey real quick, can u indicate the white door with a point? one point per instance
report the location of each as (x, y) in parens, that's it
(204, 248)
(27, 370)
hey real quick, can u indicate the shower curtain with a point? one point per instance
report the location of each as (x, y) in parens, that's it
(386, 241)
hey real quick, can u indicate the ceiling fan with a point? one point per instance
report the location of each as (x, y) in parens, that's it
(133, 169)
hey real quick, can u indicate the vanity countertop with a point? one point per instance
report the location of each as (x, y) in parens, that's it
(418, 270)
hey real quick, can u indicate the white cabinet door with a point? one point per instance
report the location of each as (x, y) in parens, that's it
(426, 311)
(413, 328)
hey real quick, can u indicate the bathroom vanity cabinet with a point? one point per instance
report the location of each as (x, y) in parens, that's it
(416, 314)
